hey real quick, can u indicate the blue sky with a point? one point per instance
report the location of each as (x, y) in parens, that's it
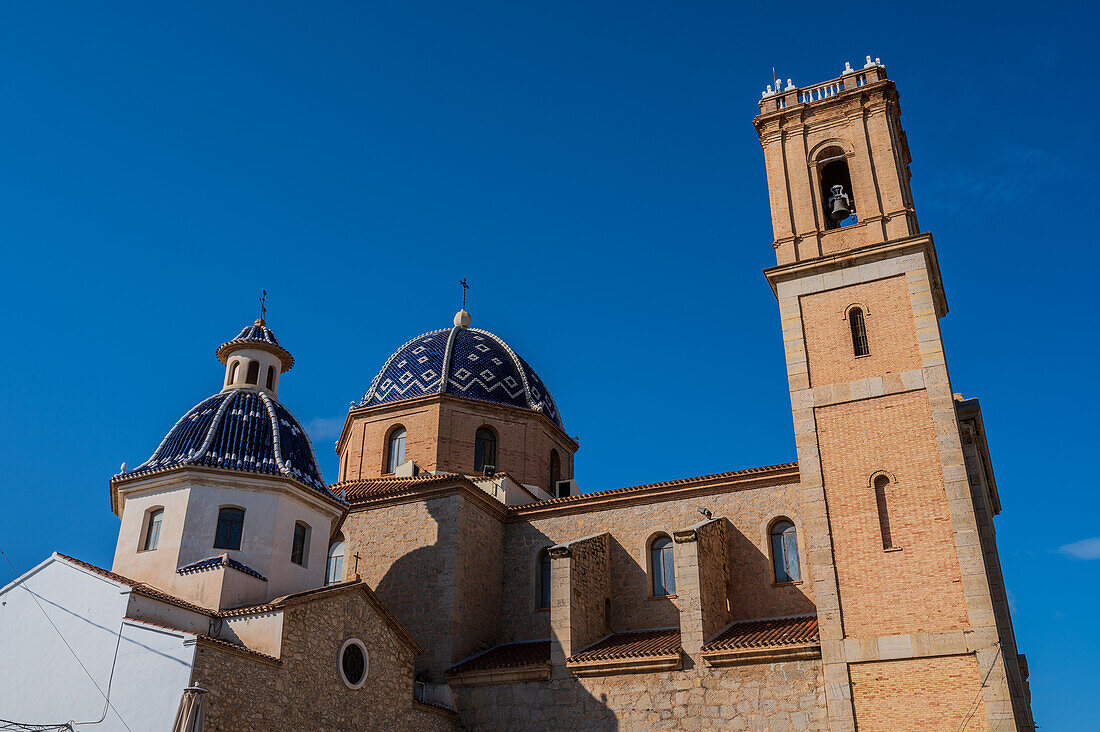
(592, 169)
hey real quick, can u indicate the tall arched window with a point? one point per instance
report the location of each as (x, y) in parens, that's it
(882, 482)
(859, 332)
(152, 530)
(334, 570)
(230, 528)
(233, 372)
(253, 376)
(270, 377)
(785, 552)
(555, 472)
(485, 449)
(543, 589)
(299, 547)
(662, 566)
(395, 449)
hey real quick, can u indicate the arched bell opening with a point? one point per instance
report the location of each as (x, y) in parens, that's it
(837, 195)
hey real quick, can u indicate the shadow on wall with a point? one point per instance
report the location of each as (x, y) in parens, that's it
(754, 591)
(418, 589)
(630, 581)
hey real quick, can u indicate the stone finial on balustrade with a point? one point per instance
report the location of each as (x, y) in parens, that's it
(847, 67)
(871, 64)
(790, 85)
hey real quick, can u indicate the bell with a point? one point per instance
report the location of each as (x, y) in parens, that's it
(840, 205)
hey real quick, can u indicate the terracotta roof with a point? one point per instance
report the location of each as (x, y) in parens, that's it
(139, 587)
(508, 655)
(713, 478)
(241, 649)
(632, 644)
(353, 490)
(766, 633)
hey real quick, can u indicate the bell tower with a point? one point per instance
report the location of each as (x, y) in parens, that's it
(899, 519)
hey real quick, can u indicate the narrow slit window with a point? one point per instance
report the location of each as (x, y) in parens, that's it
(270, 377)
(859, 332)
(544, 580)
(253, 376)
(555, 472)
(882, 483)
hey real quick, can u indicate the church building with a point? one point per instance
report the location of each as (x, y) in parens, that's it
(455, 577)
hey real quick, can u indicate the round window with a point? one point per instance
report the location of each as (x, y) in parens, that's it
(354, 662)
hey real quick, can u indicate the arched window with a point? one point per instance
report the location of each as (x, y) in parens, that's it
(299, 547)
(555, 472)
(485, 449)
(785, 551)
(334, 570)
(152, 529)
(859, 332)
(395, 449)
(882, 482)
(837, 195)
(270, 377)
(253, 376)
(230, 528)
(233, 372)
(662, 566)
(543, 589)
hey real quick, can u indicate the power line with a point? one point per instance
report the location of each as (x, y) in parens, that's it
(68, 725)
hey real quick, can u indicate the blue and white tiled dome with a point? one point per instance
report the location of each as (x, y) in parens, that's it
(257, 335)
(240, 430)
(465, 362)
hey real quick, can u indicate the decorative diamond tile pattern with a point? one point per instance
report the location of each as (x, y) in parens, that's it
(475, 364)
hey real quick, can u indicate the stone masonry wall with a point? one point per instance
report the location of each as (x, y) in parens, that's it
(917, 585)
(918, 695)
(749, 512)
(777, 696)
(712, 544)
(579, 593)
(306, 691)
(478, 584)
(407, 557)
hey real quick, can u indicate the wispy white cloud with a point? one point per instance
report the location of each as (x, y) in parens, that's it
(325, 428)
(1084, 549)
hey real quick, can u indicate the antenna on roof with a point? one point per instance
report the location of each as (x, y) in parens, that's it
(263, 308)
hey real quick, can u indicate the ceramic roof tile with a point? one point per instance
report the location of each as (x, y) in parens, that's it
(632, 644)
(766, 633)
(508, 655)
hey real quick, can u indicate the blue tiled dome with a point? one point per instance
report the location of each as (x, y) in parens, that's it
(476, 364)
(240, 430)
(257, 335)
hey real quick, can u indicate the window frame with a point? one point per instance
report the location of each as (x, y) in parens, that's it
(388, 464)
(240, 530)
(861, 342)
(483, 432)
(331, 577)
(299, 553)
(153, 516)
(654, 552)
(543, 583)
(366, 663)
(784, 546)
(882, 483)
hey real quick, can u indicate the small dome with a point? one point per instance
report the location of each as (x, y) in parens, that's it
(476, 365)
(240, 430)
(257, 335)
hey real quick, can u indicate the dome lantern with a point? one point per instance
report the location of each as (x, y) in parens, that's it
(254, 359)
